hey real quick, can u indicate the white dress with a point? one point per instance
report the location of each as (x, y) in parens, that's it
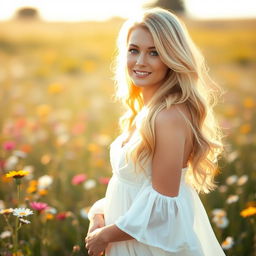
(161, 225)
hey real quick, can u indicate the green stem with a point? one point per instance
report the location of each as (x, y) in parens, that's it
(18, 192)
(16, 235)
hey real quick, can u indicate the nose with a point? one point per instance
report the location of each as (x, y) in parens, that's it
(141, 59)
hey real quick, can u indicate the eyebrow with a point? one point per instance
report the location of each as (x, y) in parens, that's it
(134, 45)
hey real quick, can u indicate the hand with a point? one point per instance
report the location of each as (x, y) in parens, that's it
(95, 242)
(97, 222)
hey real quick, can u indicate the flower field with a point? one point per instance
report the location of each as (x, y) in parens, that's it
(58, 119)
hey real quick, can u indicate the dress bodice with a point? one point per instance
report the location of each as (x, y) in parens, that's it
(125, 170)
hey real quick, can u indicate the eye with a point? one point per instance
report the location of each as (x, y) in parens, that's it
(153, 53)
(133, 51)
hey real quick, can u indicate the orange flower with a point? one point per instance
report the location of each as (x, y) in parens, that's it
(249, 102)
(245, 128)
(250, 211)
(42, 192)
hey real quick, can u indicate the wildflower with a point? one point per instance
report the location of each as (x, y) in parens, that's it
(17, 174)
(5, 234)
(93, 148)
(6, 211)
(84, 212)
(2, 205)
(42, 192)
(78, 179)
(104, 180)
(219, 212)
(223, 188)
(44, 181)
(76, 248)
(48, 216)
(51, 210)
(249, 102)
(32, 188)
(20, 154)
(227, 243)
(220, 218)
(242, 180)
(9, 145)
(89, 184)
(55, 88)
(22, 212)
(245, 128)
(250, 211)
(11, 162)
(62, 215)
(232, 199)
(43, 110)
(38, 206)
(221, 222)
(232, 156)
(23, 221)
(231, 179)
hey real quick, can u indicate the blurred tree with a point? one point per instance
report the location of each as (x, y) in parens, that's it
(27, 13)
(173, 5)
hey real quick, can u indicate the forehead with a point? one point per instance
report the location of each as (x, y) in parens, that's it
(140, 36)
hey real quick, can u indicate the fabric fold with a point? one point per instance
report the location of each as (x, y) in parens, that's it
(97, 208)
(160, 221)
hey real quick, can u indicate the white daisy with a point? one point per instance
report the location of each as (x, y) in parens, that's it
(228, 243)
(22, 212)
(44, 181)
(89, 184)
(24, 221)
(5, 234)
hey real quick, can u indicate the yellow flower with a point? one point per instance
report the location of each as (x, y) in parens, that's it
(17, 174)
(248, 211)
(55, 88)
(43, 110)
(249, 102)
(6, 211)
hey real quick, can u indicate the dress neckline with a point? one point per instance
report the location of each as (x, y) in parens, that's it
(122, 146)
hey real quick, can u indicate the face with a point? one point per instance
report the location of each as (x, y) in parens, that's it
(144, 65)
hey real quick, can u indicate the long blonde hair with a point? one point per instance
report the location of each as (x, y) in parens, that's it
(187, 82)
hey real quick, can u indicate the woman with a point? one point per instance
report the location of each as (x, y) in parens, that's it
(167, 151)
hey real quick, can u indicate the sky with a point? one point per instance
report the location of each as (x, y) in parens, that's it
(79, 10)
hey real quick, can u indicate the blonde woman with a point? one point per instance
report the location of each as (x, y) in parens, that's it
(168, 148)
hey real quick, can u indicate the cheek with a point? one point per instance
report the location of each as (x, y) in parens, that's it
(130, 63)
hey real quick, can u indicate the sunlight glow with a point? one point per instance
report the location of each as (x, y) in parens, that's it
(81, 10)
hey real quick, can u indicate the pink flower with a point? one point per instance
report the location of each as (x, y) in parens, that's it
(104, 180)
(9, 145)
(78, 179)
(38, 206)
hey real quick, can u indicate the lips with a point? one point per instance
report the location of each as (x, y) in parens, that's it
(141, 74)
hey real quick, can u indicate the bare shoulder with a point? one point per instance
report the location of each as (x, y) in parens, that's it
(172, 118)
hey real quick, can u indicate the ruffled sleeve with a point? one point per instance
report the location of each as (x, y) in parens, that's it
(160, 221)
(97, 208)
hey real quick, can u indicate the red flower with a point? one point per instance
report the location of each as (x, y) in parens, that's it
(9, 145)
(38, 206)
(104, 180)
(78, 179)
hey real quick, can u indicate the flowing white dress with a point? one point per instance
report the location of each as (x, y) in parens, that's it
(161, 225)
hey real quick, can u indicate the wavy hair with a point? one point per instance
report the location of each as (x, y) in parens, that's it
(187, 82)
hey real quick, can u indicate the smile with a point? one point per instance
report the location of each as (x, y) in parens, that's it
(141, 73)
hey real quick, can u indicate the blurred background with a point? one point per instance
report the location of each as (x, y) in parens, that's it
(58, 116)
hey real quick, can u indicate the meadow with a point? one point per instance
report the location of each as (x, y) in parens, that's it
(58, 118)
